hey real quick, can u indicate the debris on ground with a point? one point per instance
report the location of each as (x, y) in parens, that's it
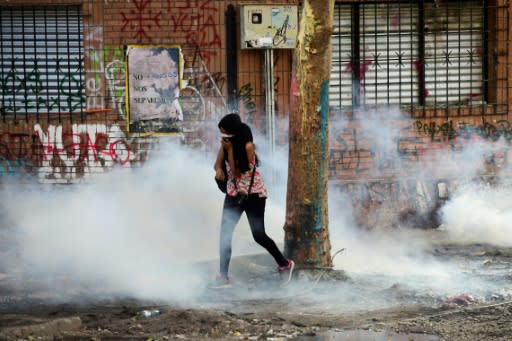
(462, 299)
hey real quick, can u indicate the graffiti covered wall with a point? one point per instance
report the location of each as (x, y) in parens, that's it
(66, 154)
(398, 170)
(391, 165)
(65, 144)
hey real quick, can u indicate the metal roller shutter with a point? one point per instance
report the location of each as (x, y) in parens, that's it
(389, 50)
(340, 94)
(41, 64)
(399, 62)
(454, 53)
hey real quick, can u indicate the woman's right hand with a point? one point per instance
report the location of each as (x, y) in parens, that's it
(219, 174)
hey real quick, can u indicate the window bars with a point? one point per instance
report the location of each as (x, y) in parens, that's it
(416, 54)
(41, 61)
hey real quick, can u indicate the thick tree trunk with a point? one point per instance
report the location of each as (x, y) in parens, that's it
(306, 228)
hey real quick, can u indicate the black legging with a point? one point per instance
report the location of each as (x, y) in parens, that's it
(255, 210)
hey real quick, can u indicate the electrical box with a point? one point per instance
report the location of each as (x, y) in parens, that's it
(265, 26)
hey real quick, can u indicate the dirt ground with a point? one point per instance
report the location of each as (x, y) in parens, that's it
(314, 305)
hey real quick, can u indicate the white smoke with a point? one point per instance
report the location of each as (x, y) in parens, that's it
(479, 214)
(153, 232)
(150, 232)
(474, 214)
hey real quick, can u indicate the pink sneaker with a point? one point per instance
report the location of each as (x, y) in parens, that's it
(220, 282)
(289, 266)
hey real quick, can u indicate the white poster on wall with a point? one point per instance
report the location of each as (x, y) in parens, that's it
(153, 80)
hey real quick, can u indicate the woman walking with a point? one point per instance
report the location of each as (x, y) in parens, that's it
(245, 192)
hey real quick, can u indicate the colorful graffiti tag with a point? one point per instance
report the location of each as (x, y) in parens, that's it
(60, 154)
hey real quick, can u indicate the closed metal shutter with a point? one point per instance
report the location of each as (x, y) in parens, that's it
(389, 50)
(41, 64)
(406, 54)
(340, 84)
(454, 53)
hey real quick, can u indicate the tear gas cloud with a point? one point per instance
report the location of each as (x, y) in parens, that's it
(404, 255)
(479, 214)
(143, 232)
(137, 232)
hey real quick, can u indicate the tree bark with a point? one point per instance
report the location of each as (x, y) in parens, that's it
(306, 227)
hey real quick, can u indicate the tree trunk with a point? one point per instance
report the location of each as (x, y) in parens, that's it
(306, 227)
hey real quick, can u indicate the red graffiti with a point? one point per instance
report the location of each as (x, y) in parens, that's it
(363, 68)
(199, 27)
(118, 151)
(14, 146)
(140, 19)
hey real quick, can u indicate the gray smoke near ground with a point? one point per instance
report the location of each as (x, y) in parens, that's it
(152, 232)
(148, 232)
(478, 213)
(401, 255)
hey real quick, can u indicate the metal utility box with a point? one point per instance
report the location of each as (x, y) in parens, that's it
(266, 26)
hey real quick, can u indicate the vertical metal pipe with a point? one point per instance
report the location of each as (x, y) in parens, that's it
(421, 54)
(355, 62)
(269, 98)
(46, 64)
(413, 14)
(376, 54)
(24, 59)
(81, 67)
(362, 53)
(485, 54)
(459, 52)
(57, 65)
(399, 53)
(2, 66)
(447, 61)
(434, 9)
(13, 67)
(70, 78)
(231, 58)
(36, 67)
(338, 14)
(387, 49)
